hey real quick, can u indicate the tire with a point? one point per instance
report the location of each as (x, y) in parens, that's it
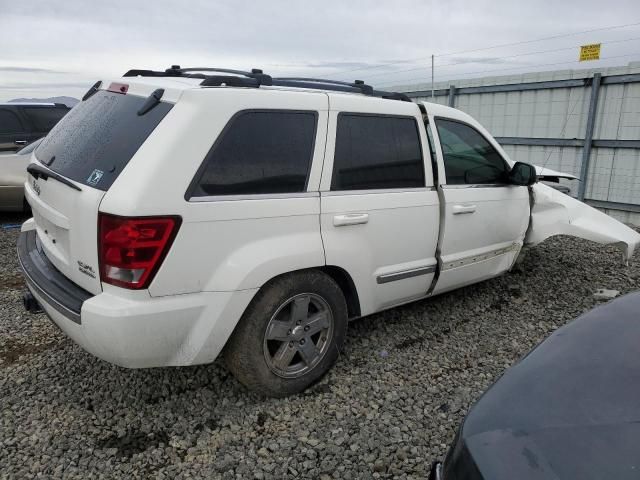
(269, 351)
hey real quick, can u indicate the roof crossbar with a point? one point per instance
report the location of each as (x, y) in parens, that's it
(255, 78)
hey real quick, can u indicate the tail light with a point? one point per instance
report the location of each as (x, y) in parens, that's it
(131, 249)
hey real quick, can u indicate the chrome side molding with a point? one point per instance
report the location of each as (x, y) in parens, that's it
(414, 272)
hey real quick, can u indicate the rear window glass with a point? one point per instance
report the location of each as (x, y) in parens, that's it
(260, 152)
(94, 142)
(44, 118)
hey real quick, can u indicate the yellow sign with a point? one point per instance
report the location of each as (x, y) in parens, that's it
(590, 52)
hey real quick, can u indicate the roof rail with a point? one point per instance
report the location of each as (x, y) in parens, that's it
(255, 78)
(323, 83)
(391, 95)
(358, 86)
(238, 78)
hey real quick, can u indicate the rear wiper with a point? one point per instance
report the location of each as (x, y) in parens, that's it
(38, 171)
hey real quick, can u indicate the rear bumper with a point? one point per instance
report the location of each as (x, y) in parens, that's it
(133, 329)
(48, 282)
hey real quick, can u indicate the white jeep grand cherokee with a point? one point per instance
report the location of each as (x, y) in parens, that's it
(185, 213)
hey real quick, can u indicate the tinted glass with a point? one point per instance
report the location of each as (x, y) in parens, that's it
(377, 153)
(98, 137)
(9, 122)
(44, 118)
(468, 157)
(260, 152)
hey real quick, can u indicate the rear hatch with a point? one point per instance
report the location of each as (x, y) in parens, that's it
(73, 168)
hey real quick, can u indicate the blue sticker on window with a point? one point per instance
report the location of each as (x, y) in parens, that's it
(95, 177)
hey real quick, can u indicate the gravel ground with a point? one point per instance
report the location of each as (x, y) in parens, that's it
(389, 407)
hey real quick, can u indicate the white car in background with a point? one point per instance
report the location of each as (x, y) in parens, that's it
(189, 212)
(13, 173)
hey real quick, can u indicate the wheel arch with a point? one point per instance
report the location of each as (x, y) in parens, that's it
(338, 275)
(348, 287)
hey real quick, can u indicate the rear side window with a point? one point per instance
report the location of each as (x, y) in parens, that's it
(260, 152)
(9, 122)
(377, 152)
(94, 142)
(44, 118)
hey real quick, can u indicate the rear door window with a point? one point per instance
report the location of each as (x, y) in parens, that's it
(377, 152)
(260, 152)
(44, 118)
(94, 142)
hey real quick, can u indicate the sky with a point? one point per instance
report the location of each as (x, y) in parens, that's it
(52, 47)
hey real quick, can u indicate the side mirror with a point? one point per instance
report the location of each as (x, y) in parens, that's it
(523, 174)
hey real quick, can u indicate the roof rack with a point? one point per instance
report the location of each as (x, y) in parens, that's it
(238, 78)
(302, 82)
(255, 78)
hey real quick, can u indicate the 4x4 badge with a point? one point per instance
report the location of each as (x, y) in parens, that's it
(95, 177)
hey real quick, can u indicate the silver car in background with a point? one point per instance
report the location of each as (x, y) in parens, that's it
(13, 173)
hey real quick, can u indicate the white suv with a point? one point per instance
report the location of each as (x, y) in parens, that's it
(185, 213)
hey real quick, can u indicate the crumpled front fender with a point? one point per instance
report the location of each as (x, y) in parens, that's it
(554, 213)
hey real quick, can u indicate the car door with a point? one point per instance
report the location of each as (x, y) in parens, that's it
(484, 218)
(12, 131)
(379, 207)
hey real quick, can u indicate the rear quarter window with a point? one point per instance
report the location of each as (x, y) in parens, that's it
(94, 142)
(259, 152)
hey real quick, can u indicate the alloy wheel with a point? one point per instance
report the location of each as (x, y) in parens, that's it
(298, 335)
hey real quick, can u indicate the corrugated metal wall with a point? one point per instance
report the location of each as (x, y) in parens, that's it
(561, 113)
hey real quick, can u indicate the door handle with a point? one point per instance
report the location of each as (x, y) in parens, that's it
(462, 209)
(350, 219)
(20, 142)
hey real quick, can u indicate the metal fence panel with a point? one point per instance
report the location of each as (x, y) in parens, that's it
(543, 118)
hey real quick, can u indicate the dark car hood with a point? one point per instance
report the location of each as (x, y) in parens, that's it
(568, 410)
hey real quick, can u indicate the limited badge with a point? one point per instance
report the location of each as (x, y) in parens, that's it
(86, 269)
(95, 177)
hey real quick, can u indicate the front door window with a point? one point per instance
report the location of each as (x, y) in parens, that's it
(468, 157)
